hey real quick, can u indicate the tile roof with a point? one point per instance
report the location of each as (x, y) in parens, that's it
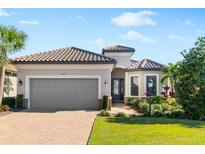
(117, 48)
(69, 55)
(145, 65)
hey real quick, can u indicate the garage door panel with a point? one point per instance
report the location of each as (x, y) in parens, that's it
(64, 93)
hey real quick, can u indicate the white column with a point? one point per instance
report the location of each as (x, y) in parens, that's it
(126, 84)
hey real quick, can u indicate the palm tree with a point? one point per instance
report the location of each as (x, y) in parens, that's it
(170, 74)
(11, 41)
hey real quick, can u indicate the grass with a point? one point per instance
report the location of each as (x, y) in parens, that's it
(143, 130)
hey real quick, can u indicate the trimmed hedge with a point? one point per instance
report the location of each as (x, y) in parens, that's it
(105, 102)
(19, 101)
(121, 114)
(10, 101)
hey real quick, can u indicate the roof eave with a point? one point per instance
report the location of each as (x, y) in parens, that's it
(117, 51)
(56, 62)
(139, 69)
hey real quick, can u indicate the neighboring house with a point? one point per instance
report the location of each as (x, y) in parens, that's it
(74, 78)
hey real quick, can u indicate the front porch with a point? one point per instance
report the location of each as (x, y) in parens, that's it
(126, 84)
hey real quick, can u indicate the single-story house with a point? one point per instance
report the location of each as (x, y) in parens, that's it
(74, 78)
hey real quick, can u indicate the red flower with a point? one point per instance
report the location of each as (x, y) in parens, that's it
(172, 94)
(163, 93)
(166, 88)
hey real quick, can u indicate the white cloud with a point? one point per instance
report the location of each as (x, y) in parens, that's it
(99, 42)
(179, 38)
(189, 23)
(135, 19)
(81, 18)
(132, 35)
(3, 13)
(30, 22)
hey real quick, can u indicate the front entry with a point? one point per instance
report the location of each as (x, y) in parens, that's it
(117, 89)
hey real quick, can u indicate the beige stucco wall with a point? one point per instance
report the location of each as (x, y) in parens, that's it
(103, 70)
(123, 59)
(142, 77)
(118, 73)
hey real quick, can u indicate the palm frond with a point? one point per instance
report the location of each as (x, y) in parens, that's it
(11, 40)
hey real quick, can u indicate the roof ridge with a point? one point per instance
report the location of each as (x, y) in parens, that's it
(154, 62)
(115, 48)
(141, 62)
(92, 52)
(119, 46)
(58, 55)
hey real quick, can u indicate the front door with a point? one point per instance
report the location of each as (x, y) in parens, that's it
(117, 89)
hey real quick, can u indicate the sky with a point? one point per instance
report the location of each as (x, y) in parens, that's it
(157, 34)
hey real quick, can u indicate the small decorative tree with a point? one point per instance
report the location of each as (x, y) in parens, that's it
(165, 92)
(170, 75)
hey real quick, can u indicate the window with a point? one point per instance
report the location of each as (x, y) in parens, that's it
(134, 85)
(116, 87)
(151, 84)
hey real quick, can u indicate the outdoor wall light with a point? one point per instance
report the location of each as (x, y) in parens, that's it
(105, 83)
(20, 82)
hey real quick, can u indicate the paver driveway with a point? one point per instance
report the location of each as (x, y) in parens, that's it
(38, 127)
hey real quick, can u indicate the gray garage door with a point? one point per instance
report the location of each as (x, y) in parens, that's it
(64, 93)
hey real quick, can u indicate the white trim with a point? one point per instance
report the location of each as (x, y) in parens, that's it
(28, 77)
(126, 85)
(145, 84)
(129, 82)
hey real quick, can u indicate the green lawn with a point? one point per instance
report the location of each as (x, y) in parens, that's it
(143, 130)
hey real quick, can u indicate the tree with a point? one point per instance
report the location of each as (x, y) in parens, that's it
(190, 82)
(11, 41)
(170, 74)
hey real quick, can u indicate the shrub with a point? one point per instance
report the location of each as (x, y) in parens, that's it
(133, 115)
(145, 100)
(157, 100)
(157, 113)
(19, 101)
(177, 113)
(167, 114)
(132, 101)
(105, 113)
(171, 101)
(105, 102)
(202, 118)
(4, 108)
(166, 107)
(144, 108)
(10, 101)
(121, 114)
(157, 107)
